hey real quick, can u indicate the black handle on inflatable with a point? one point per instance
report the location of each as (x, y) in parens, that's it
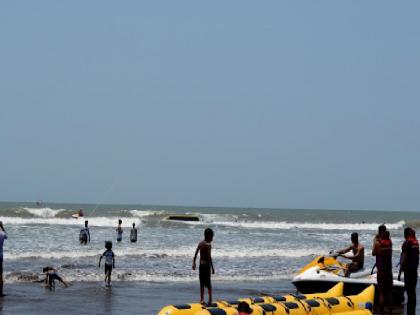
(373, 268)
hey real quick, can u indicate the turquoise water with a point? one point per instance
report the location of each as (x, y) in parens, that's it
(249, 244)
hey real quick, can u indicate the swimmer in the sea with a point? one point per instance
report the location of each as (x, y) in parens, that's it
(109, 262)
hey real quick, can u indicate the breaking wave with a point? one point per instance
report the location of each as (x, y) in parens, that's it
(93, 221)
(186, 252)
(125, 275)
(283, 225)
(145, 213)
(44, 212)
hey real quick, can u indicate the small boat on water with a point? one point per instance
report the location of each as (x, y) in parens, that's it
(182, 217)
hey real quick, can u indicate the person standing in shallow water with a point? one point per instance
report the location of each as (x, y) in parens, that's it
(382, 249)
(3, 236)
(409, 264)
(119, 231)
(133, 234)
(109, 262)
(206, 264)
(84, 235)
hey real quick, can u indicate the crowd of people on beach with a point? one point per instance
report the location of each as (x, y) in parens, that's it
(381, 250)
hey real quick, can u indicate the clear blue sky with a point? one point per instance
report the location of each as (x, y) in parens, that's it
(306, 104)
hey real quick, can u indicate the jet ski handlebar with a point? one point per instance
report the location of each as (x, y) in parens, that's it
(330, 268)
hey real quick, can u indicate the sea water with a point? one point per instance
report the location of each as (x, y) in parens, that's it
(249, 244)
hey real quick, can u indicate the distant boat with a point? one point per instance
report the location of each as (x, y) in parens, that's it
(182, 217)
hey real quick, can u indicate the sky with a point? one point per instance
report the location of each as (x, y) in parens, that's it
(281, 104)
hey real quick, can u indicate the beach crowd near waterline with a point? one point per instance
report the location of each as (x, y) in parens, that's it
(278, 243)
(119, 233)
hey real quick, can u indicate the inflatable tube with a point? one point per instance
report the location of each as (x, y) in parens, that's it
(294, 308)
(316, 307)
(361, 301)
(229, 310)
(188, 309)
(272, 309)
(365, 299)
(250, 301)
(218, 311)
(280, 298)
(336, 290)
(359, 312)
(339, 304)
(323, 304)
(181, 309)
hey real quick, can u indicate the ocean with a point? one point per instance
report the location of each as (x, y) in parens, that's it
(249, 244)
(255, 251)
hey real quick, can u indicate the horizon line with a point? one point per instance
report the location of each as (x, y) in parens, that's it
(196, 206)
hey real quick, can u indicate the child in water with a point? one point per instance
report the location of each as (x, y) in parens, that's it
(206, 264)
(119, 231)
(109, 262)
(50, 276)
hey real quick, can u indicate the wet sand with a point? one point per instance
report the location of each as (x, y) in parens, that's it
(124, 297)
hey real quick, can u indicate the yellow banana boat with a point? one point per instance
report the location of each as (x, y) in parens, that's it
(191, 309)
(321, 306)
(359, 312)
(218, 311)
(330, 302)
(188, 309)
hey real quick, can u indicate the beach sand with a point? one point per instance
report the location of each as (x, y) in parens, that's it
(138, 298)
(122, 298)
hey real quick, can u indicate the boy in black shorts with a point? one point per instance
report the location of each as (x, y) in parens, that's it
(109, 262)
(206, 264)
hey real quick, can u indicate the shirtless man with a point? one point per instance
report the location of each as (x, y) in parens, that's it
(206, 264)
(358, 258)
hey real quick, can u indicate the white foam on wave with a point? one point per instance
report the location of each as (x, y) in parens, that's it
(283, 225)
(186, 252)
(192, 277)
(48, 216)
(44, 212)
(93, 221)
(141, 276)
(51, 255)
(145, 213)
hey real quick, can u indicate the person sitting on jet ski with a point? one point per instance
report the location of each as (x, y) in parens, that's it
(358, 257)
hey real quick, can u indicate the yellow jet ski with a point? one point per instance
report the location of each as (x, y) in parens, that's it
(326, 271)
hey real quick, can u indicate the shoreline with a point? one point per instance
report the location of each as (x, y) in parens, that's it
(143, 298)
